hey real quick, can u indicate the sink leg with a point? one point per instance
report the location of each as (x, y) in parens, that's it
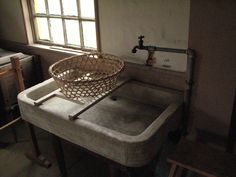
(59, 155)
(3, 145)
(114, 171)
(34, 141)
(35, 154)
(130, 172)
(13, 129)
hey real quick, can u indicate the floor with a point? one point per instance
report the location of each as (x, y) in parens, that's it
(13, 162)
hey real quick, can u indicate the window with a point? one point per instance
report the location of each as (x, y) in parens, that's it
(69, 23)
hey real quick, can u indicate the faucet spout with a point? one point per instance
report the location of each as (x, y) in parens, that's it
(140, 45)
(134, 50)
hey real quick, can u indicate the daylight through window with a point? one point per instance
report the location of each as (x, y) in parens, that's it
(68, 23)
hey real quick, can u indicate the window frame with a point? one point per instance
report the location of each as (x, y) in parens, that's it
(80, 19)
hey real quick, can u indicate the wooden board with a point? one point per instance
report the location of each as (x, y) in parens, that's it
(203, 159)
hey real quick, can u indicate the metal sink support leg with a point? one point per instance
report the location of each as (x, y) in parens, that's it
(59, 155)
(35, 154)
(114, 171)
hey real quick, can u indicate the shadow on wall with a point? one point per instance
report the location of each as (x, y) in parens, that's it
(204, 129)
(207, 137)
(211, 34)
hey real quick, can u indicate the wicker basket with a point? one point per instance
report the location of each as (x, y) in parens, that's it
(86, 75)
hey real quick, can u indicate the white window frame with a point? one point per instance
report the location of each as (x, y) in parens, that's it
(64, 17)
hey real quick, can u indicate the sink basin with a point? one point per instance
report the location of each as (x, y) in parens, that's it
(130, 109)
(127, 126)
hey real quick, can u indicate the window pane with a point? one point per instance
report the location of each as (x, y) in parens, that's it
(87, 8)
(73, 33)
(42, 28)
(57, 30)
(89, 33)
(39, 6)
(54, 7)
(70, 7)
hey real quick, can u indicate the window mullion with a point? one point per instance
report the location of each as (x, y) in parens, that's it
(32, 6)
(63, 24)
(33, 19)
(97, 25)
(80, 25)
(49, 24)
(36, 28)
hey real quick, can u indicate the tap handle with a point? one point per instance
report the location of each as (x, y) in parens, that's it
(140, 40)
(141, 37)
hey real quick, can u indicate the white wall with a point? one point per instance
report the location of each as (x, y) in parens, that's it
(164, 23)
(12, 22)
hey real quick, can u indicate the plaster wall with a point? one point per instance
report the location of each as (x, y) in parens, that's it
(12, 22)
(164, 23)
(212, 34)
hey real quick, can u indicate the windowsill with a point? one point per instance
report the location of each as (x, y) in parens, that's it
(59, 49)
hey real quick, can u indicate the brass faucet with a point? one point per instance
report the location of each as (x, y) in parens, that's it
(151, 50)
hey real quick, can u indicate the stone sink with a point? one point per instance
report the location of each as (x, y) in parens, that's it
(127, 125)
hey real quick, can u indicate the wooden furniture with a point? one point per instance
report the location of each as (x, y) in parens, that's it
(15, 69)
(202, 159)
(4, 72)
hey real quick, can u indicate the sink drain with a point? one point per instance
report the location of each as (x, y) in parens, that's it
(114, 98)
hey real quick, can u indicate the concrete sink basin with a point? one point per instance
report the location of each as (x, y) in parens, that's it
(127, 126)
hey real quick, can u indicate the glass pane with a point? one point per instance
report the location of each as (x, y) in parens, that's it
(87, 8)
(70, 7)
(54, 7)
(89, 33)
(73, 33)
(42, 28)
(57, 31)
(39, 6)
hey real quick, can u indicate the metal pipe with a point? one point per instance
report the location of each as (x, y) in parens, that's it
(188, 88)
(189, 80)
(152, 49)
(172, 50)
(161, 49)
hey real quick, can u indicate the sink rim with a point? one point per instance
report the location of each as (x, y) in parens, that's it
(143, 136)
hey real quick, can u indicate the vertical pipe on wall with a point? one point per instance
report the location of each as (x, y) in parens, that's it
(188, 89)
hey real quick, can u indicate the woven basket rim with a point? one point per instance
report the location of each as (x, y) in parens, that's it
(86, 81)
